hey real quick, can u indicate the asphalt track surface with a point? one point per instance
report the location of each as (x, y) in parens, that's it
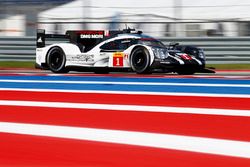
(159, 120)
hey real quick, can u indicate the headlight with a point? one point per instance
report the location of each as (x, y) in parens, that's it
(160, 53)
(201, 54)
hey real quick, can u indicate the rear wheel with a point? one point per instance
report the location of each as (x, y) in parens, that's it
(140, 60)
(56, 60)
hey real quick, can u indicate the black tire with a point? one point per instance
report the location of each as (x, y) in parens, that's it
(56, 60)
(140, 60)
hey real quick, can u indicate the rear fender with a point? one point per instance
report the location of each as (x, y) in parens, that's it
(68, 48)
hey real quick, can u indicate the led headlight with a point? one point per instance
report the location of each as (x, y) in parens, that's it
(201, 54)
(155, 51)
(160, 53)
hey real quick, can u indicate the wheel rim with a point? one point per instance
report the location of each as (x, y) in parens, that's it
(139, 61)
(56, 60)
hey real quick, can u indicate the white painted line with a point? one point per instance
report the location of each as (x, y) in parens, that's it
(128, 83)
(164, 141)
(139, 108)
(129, 92)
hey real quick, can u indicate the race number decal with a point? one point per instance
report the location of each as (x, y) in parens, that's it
(118, 59)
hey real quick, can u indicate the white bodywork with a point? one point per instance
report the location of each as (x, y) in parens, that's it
(94, 57)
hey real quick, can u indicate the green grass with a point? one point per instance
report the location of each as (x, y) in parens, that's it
(17, 64)
(230, 66)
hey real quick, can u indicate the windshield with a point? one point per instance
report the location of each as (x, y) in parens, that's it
(151, 42)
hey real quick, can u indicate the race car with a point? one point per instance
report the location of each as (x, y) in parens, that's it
(102, 51)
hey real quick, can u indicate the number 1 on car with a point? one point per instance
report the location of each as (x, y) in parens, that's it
(118, 59)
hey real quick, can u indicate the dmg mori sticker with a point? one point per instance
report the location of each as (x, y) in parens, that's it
(89, 34)
(118, 59)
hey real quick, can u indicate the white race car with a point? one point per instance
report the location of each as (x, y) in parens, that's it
(124, 50)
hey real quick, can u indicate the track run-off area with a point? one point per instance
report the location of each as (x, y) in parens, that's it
(124, 120)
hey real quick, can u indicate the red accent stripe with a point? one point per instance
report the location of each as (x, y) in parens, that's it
(17, 72)
(156, 100)
(24, 150)
(227, 127)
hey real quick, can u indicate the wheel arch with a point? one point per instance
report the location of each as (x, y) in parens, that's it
(151, 54)
(67, 48)
(143, 69)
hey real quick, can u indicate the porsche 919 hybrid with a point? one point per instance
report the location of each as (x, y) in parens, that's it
(121, 50)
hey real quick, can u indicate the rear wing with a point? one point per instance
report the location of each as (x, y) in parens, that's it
(86, 38)
(41, 37)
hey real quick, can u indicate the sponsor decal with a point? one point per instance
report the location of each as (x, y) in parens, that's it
(126, 41)
(39, 49)
(165, 62)
(118, 59)
(126, 56)
(106, 33)
(118, 54)
(91, 34)
(81, 58)
(186, 57)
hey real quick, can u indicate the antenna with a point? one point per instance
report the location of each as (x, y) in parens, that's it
(128, 29)
(126, 26)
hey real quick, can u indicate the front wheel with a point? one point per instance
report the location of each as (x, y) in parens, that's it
(140, 60)
(56, 60)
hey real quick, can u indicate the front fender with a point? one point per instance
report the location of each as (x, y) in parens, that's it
(130, 49)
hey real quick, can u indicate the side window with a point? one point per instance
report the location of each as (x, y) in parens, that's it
(124, 43)
(120, 44)
(109, 46)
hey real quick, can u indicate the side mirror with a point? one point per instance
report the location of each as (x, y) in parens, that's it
(173, 44)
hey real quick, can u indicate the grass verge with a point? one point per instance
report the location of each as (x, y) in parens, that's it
(24, 64)
(17, 64)
(230, 66)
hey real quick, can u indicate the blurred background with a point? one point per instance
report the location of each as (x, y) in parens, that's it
(170, 20)
(159, 17)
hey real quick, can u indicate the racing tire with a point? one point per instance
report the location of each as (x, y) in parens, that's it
(140, 60)
(56, 60)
